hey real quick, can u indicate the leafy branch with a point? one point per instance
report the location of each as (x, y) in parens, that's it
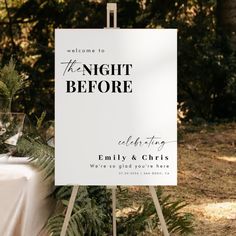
(145, 218)
(11, 82)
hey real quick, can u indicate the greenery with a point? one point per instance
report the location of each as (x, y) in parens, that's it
(145, 219)
(40, 155)
(11, 83)
(88, 217)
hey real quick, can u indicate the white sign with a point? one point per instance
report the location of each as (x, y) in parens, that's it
(116, 106)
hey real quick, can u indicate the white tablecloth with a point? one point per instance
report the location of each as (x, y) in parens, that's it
(25, 204)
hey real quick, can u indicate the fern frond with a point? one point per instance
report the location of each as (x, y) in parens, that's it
(86, 219)
(146, 218)
(40, 155)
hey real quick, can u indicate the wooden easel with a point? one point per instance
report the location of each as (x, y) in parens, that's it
(112, 10)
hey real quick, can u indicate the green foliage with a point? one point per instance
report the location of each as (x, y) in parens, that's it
(92, 215)
(40, 120)
(145, 218)
(11, 82)
(87, 217)
(206, 75)
(40, 155)
(96, 199)
(102, 197)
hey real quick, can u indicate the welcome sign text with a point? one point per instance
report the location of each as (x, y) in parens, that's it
(103, 70)
(116, 106)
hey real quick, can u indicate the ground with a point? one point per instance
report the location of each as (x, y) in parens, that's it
(206, 178)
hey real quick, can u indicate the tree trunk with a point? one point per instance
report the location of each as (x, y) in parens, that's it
(227, 20)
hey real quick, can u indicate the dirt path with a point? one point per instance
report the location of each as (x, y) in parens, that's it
(207, 178)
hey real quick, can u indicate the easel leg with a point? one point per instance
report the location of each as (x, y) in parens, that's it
(159, 211)
(69, 210)
(114, 210)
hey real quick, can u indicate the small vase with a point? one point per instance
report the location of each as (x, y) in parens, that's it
(11, 128)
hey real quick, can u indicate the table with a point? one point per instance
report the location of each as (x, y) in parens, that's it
(25, 202)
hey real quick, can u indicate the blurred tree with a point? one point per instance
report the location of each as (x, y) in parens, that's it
(27, 33)
(227, 19)
(206, 65)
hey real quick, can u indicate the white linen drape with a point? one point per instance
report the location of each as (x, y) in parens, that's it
(25, 202)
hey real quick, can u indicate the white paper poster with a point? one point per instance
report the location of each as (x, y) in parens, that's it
(116, 106)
